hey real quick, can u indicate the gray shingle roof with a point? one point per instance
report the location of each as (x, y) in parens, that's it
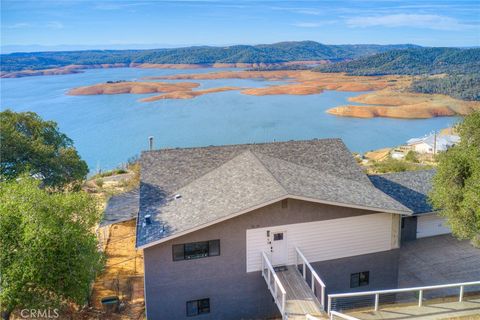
(215, 182)
(410, 188)
(121, 207)
(311, 183)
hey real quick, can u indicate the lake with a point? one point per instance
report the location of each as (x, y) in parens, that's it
(109, 129)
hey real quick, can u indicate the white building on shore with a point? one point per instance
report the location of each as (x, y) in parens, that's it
(433, 143)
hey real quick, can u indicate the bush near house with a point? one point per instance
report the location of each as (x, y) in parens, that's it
(49, 255)
(411, 156)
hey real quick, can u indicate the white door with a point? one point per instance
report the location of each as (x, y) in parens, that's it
(279, 248)
(431, 225)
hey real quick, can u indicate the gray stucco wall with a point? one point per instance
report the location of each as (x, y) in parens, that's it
(409, 229)
(234, 293)
(382, 267)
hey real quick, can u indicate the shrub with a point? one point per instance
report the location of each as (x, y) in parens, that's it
(411, 156)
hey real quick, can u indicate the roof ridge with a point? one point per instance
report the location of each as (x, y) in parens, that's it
(400, 172)
(268, 170)
(240, 144)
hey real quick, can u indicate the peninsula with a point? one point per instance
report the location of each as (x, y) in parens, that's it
(390, 96)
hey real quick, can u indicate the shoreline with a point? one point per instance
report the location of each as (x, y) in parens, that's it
(74, 68)
(389, 96)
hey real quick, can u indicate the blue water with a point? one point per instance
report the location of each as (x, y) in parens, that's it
(110, 129)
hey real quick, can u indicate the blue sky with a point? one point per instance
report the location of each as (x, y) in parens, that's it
(111, 24)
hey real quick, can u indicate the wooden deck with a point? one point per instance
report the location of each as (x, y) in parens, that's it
(300, 299)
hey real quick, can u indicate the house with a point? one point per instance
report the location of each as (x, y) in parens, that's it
(212, 219)
(433, 143)
(411, 188)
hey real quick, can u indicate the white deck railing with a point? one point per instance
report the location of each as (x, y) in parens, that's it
(274, 285)
(420, 290)
(335, 314)
(314, 275)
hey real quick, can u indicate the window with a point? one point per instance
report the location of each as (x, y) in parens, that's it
(196, 250)
(278, 236)
(359, 279)
(196, 307)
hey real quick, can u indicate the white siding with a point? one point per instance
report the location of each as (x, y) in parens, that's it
(431, 225)
(326, 240)
(423, 148)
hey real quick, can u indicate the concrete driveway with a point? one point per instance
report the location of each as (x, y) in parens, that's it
(438, 260)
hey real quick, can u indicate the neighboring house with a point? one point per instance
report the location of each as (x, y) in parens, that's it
(433, 143)
(208, 214)
(411, 189)
(121, 207)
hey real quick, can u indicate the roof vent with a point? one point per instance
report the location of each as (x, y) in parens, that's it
(148, 219)
(150, 142)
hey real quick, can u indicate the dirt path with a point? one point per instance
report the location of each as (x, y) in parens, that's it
(123, 275)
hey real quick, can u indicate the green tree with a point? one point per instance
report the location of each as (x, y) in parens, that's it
(29, 144)
(456, 185)
(49, 254)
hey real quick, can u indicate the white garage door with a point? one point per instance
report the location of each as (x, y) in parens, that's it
(431, 225)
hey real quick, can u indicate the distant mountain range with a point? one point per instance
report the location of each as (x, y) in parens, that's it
(265, 53)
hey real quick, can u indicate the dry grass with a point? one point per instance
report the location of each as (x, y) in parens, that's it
(123, 275)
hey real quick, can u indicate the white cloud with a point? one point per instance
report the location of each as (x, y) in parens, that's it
(307, 24)
(54, 25)
(427, 21)
(312, 24)
(19, 25)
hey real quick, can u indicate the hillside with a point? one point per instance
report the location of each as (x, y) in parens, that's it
(265, 53)
(465, 87)
(460, 69)
(414, 61)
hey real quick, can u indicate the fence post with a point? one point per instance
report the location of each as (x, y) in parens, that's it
(323, 298)
(460, 298)
(313, 284)
(269, 281)
(377, 299)
(329, 307)
(420, 298)
(275, 290)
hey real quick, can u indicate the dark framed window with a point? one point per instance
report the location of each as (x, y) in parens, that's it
(359, 279)
(196, 250)
(278, 236)
(197, 307)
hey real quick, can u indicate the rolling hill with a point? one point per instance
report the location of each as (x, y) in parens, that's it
(414, 61)
(265, 53)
